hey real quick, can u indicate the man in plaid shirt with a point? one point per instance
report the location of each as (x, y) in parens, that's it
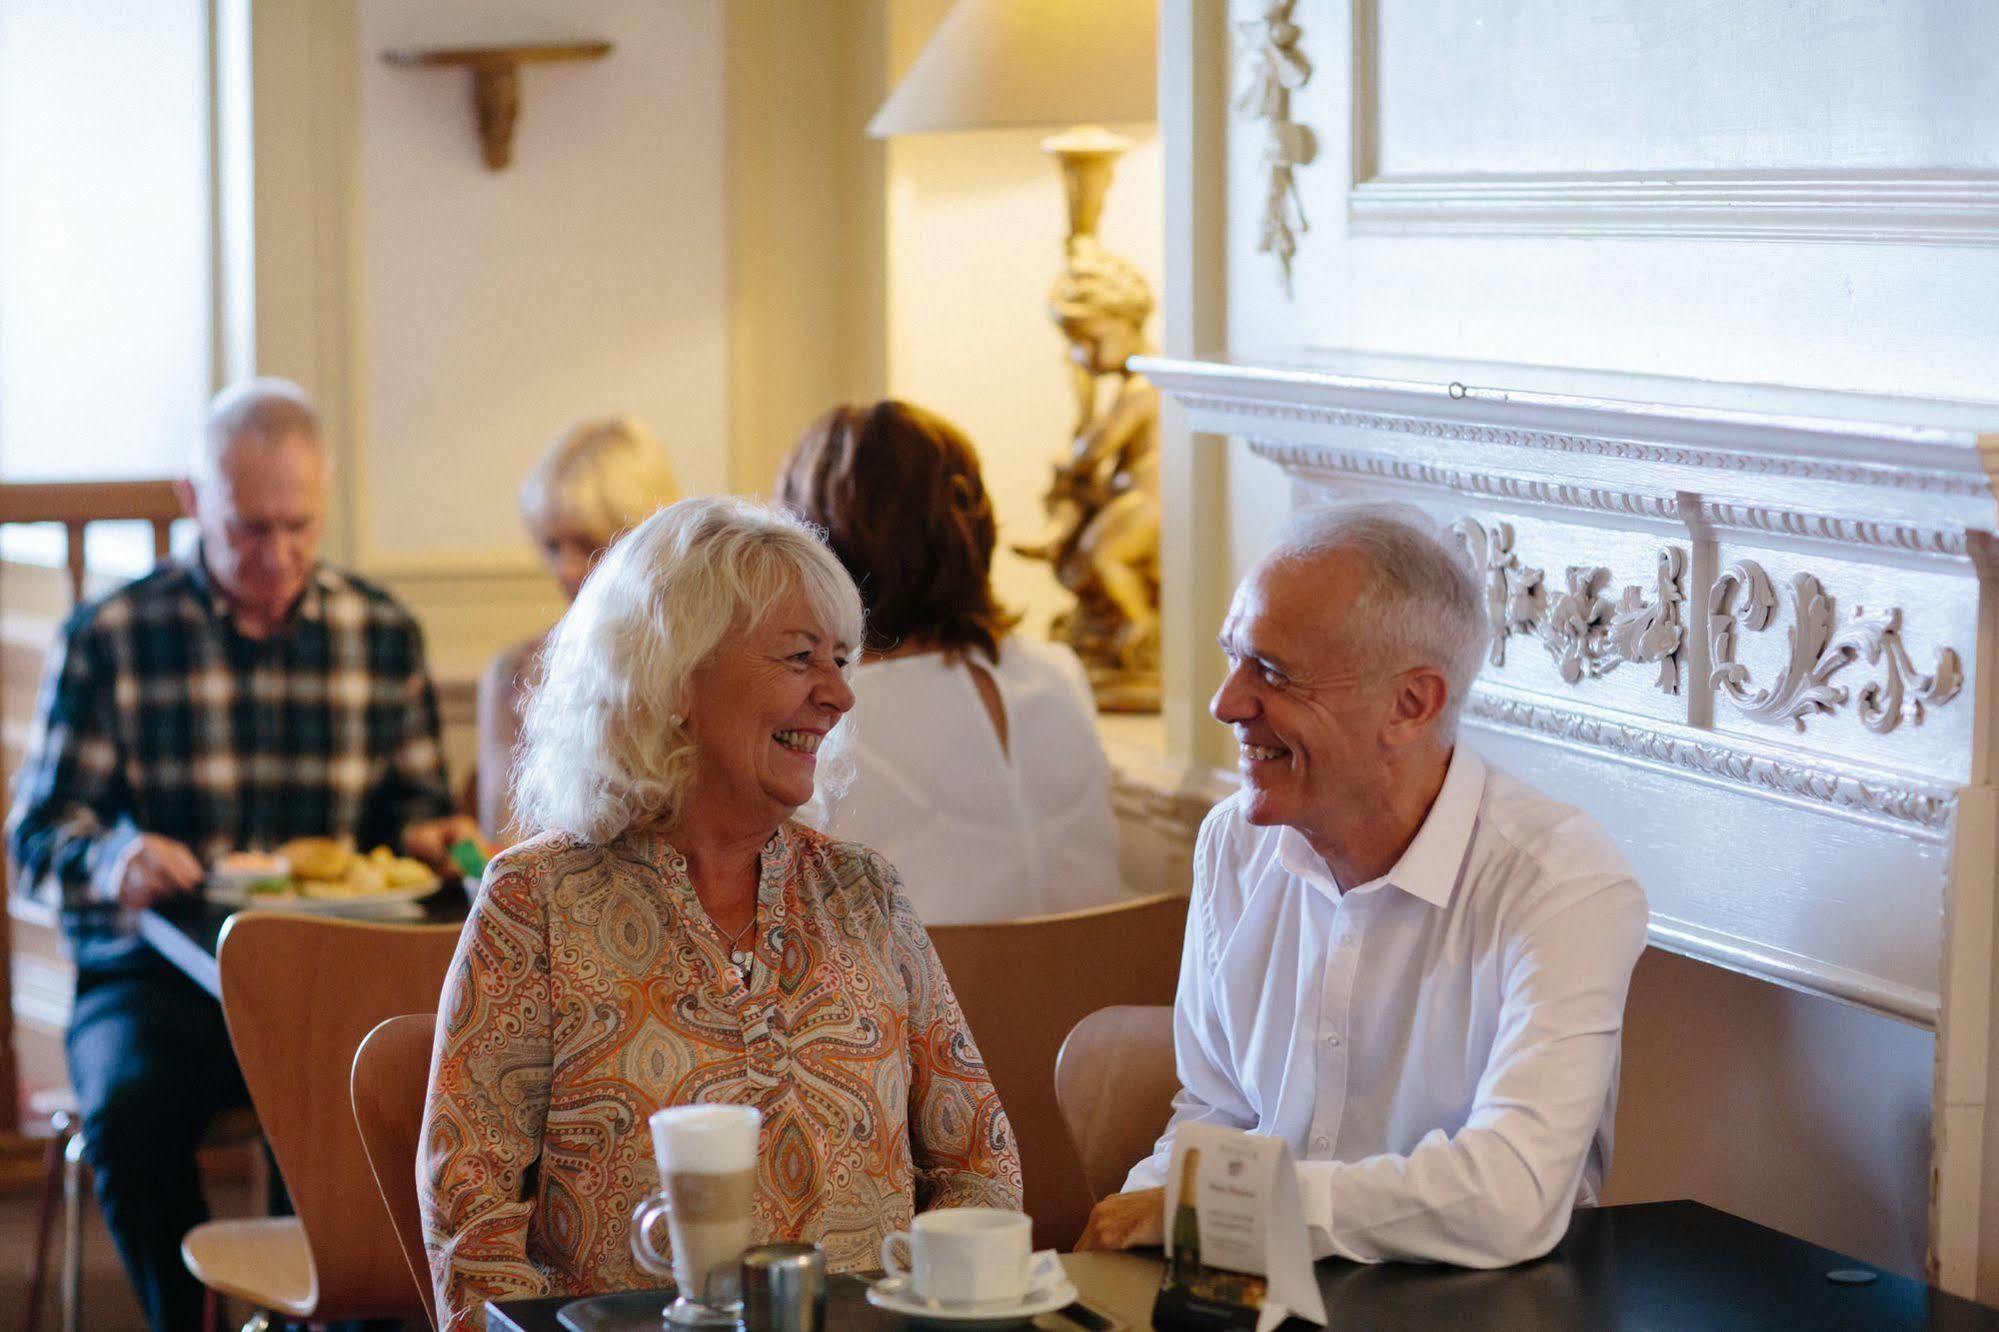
(236, 698)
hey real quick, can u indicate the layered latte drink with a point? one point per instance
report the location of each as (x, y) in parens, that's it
(707, 1169)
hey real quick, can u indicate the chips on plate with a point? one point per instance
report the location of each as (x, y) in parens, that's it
(323, 868)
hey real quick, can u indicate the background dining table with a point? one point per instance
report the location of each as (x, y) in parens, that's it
(1651, 1266)
(187, 930)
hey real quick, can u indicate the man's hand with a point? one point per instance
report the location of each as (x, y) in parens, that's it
(1126, 1221)
(431, 840)
(156, 867)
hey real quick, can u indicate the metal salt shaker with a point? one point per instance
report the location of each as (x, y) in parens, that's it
(784, 1288)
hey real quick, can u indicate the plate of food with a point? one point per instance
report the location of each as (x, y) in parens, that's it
(320, 874)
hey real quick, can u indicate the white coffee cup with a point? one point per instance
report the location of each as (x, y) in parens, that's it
(707, 1169)
(965, 1255)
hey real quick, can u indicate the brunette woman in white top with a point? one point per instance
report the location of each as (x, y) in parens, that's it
(979, 772)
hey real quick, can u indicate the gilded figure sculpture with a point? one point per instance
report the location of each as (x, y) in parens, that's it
(1102, 537)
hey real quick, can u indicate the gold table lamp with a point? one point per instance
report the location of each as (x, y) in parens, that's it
(1075, 65)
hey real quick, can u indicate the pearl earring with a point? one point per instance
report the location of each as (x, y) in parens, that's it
(677, 720)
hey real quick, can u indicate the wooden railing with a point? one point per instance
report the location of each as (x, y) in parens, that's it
(75, 505)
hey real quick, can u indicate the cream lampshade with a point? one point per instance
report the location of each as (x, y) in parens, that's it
(996, 64)
(1069, 64)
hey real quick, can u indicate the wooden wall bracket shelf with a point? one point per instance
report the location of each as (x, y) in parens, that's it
(496, 81)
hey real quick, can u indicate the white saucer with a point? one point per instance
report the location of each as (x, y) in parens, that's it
(894, 1295)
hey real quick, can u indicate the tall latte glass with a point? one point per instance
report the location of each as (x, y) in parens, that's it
(707, 1173)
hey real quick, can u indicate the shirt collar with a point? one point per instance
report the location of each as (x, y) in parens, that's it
(1428, 869)
(195, 562)
(311, 603)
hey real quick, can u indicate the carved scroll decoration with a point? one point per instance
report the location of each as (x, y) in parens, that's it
(1513, 598)
(1277, 68)
(1576, 629)
(1654, 631)
(1586, 634)
(1820, 648)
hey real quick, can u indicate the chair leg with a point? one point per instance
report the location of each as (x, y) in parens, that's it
(258, 1178)
(45, 1216)
(72, 1230)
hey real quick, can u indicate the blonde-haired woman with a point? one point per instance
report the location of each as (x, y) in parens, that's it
(674, 937)
(595, 480)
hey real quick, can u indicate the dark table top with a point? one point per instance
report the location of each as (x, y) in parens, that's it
(187, 930)
(1639, 1268)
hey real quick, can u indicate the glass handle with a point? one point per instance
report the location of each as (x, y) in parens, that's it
(643, 1253)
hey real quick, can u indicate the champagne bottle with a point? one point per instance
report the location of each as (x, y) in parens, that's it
(1187, 1217)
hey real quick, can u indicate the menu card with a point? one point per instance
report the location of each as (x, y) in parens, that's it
(1237, 1252)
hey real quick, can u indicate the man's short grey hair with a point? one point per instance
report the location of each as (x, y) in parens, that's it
(604, 474)
(265, 410)
(604, 746)
(1422, 607)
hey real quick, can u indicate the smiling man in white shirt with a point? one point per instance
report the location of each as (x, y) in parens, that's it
(1405, 963)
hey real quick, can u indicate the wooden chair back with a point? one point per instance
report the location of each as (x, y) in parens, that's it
(1115, 1080)
(75, 505)
(78, 504)
(391, 1076)
(299, 993)
(1023, 985)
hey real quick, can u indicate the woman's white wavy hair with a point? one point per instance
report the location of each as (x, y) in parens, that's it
(600, 748)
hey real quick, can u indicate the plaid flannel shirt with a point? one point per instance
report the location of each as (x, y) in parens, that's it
(156, 715)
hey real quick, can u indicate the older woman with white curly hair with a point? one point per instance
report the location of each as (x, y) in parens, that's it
(673, 937)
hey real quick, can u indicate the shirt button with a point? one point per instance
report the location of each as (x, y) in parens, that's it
(1322, 1143)
(1332, 1038)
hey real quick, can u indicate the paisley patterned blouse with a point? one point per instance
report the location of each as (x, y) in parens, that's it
(590, 989)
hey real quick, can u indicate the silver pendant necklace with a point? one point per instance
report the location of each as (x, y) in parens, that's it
(743, 958)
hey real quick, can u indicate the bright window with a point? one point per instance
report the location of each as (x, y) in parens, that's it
(106, 236)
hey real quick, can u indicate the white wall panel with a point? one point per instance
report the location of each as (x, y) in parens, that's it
(1793, 269)
(1484, 87)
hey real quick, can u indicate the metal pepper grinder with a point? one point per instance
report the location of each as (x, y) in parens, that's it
(784, 1288)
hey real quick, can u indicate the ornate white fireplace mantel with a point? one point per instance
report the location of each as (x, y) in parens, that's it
(1752, 630)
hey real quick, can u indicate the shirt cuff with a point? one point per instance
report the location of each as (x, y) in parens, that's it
(1149, 1173)
(1315, 1197)
(114, 852)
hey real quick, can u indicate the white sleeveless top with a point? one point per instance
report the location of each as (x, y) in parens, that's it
(979, 833)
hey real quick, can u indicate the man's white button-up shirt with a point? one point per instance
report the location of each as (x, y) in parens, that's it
(1439, 1046)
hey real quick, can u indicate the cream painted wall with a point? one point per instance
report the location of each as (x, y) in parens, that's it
(690, 231)
(975, 227)
(806, 209)
(495, 307)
